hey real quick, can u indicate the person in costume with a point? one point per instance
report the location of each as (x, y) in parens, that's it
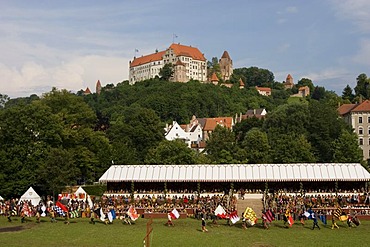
(169, 221)
(315, 221)
(204, 229)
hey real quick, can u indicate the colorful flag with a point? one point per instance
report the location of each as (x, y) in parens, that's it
(290, 220)
(174, 214)
(220, 212)
(132, 213)
(269, 216)
(338, 212)
(60, 205)
(102, 215)
(113, 213)
(250, 216)
(234, 217)
(110, 217)
(59, 211)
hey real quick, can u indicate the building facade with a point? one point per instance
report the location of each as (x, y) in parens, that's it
(188, 62)
(358, 117)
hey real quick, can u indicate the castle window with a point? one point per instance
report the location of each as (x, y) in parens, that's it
(361, 141)
(360, 119)
(360, 131)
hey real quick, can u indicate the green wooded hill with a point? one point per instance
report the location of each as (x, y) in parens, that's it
(62, 138)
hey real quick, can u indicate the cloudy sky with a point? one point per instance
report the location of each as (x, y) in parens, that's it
(72, 44)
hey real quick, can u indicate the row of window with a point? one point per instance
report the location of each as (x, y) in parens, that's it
(361, 141)
(360, 119)
(361, 131)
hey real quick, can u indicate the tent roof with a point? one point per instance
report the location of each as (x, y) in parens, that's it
(237, 173)
(80, 190)
(31, 195)
(1, 198)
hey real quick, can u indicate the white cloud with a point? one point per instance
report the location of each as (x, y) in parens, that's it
(362, 56)
(291, 9)
(76, 74)
(356, 11)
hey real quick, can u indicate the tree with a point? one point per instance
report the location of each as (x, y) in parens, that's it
(306, 82)
(346, 148)
(363, 86)
(221, 145)
(290, 148)
(257, 147)
(253, 76)
(166, 72)
(3, 99)
(171, 153)
(347, 94)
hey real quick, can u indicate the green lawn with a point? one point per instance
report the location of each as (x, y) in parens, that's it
(185, 233)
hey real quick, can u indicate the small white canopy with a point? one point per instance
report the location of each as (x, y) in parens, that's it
(80, 193)
(1, 198)
(31, 195)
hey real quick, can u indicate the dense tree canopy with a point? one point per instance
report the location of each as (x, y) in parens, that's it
(62, 138)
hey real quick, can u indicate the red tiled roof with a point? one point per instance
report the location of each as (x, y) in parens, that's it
(183, 50)
(364, 106)
(289, 77)
(98, 84)
(214, 77)
(211, 123)
(147, 59)
(266, 89)
(87, 91)
(346, 108)
(241, 83)
(225, 55)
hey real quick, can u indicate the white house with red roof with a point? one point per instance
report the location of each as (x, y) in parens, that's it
(358, 117)
(189, 63)
(265, 91)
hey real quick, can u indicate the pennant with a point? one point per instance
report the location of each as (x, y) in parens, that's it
(174, 214)
(234, 217)
(220, 212)
(132, 213)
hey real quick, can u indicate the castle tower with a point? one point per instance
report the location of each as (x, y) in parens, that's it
(214, 79)
(98, 87)
(289, 82)
(226, 66)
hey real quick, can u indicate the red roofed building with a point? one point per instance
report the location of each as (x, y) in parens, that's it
(266, 91)
(289, 82)
(226, 66)
(358, 117)
(189, 63)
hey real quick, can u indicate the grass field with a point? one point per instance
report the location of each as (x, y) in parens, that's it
(186, 232)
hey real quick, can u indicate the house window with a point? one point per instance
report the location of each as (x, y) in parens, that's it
(360, 131)
(369, 142)
(368, 119)
(361, 142)
(360, 119)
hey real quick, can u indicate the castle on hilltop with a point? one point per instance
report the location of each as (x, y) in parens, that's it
(189, 63)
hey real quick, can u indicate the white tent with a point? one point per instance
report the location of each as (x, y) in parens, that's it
(80, 194)
(1, 198)
(30, 195)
